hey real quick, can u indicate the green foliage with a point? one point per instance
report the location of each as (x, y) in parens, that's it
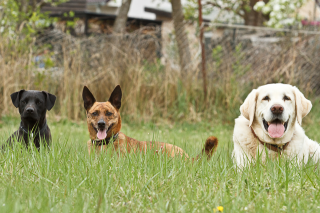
(40, 77)
(281, 12)
(182, 103)
(23, 18)
(154, 67)
(191, 11)
(48, 62)
(216, 55)
(70, 21)
(238, 67)
(217, 6)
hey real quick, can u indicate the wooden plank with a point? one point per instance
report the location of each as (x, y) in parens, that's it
(53, 9)
(66, 4)
(77, 1)
(72, 5)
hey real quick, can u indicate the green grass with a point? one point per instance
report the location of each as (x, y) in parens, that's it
(67, 179)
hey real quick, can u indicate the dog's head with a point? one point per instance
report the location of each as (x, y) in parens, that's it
(275, 108)
(103, 118)
(33, 104)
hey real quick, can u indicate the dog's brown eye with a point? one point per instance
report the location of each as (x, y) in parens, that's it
(94, 113)
(38, 103)
(286, 98)
(23, 102)
(109, 113)
(266, 98)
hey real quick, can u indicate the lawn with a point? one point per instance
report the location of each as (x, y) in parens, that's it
(67, 179)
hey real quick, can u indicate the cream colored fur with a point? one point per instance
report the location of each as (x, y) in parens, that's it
(255, 109)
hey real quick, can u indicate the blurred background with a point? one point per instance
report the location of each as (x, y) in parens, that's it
(178, 60)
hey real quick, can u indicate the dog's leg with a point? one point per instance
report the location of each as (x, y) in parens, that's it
(15, 137)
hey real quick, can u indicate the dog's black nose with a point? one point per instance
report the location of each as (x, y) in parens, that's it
(101, 124)
(276, 109)
(30, 110)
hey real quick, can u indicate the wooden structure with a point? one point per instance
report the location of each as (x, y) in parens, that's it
(95, 12)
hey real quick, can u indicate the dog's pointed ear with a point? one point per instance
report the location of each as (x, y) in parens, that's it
(303, 105)
(88, 98)
(115, 97)
(50, 100)
(248, 108)
(15, 97)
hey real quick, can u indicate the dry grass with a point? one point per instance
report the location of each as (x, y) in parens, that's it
(152, 90)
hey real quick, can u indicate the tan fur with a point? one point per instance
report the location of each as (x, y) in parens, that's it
(124, 144)
(247, 109)
(303, 105)
(250, 128)
(102, 108)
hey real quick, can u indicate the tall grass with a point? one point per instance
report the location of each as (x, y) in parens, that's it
(151, 90)
(67, 179)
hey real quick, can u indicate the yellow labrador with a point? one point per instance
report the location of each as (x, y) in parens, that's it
(270, 120)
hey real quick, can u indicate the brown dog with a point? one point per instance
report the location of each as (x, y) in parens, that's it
(104, 124)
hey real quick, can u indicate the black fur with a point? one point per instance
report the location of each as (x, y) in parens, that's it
(33, 106)
(88, 98)
(115, 97)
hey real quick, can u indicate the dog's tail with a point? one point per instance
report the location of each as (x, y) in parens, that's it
(209, 148)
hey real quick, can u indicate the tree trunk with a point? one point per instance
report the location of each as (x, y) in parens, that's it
(181, 35)
(254, 18)
(203, 51)
(121, 20)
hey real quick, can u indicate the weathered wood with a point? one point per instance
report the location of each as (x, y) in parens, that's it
(121, 20)
(72, 5)
(181, 36)
(203, 51)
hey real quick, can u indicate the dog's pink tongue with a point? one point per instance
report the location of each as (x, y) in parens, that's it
(276, 130)
(102, 134)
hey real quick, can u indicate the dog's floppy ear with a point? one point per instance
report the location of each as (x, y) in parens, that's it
(303, 105)
(248, 108)
(15, 97)
(88, 98)
(50, 100)
(115, 97)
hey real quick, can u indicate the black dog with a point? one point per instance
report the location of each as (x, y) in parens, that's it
(33, 106)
